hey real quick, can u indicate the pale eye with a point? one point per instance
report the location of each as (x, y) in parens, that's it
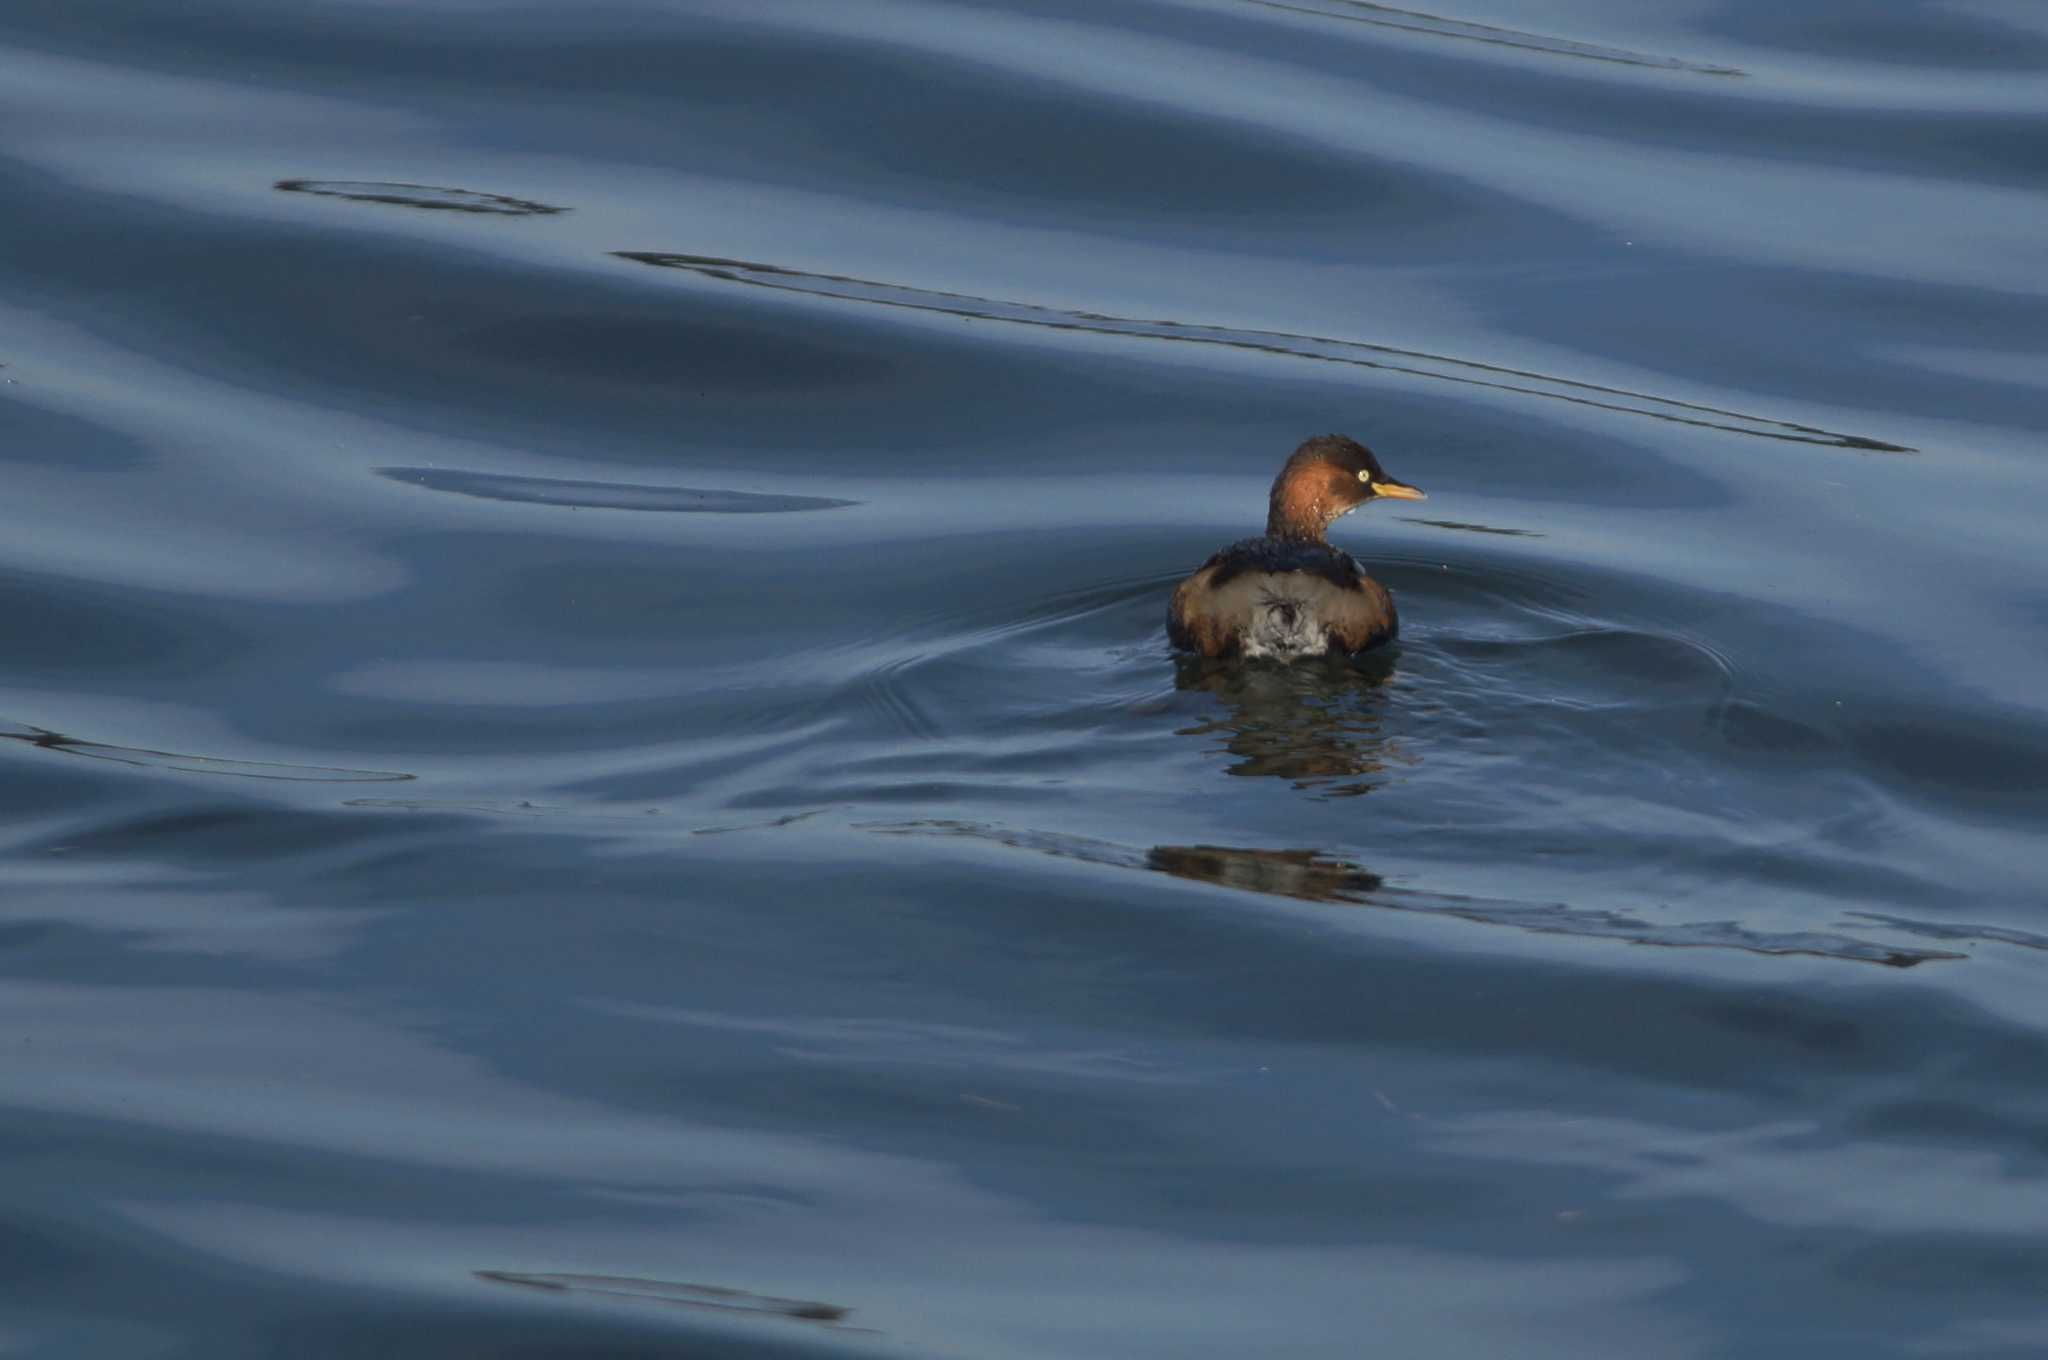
(1364, 476)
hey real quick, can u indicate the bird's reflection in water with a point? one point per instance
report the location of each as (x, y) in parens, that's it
(1302, 874)
(1318, 724)
(1310, 876)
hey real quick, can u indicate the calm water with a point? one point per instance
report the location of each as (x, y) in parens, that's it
(591, 763)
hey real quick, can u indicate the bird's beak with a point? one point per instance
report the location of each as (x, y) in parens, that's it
(1397, 491)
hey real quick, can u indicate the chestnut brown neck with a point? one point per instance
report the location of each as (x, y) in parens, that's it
(1298, 509)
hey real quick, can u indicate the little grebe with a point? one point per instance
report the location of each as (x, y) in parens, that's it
(1290, 594)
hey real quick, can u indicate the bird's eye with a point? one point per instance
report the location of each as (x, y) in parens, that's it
(1364, 476)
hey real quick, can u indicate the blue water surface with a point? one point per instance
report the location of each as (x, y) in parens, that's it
(591, 765)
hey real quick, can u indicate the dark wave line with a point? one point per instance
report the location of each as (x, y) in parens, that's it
(844, 288)
(431, 197)
(1470, 528)
(1963, 933)
(1436, 26)
(592, 495)
(44, 739)
(680, 1294)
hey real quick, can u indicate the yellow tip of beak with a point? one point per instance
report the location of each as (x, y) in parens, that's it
(1397, 491)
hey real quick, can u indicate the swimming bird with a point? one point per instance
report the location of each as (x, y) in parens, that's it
(1290, 594)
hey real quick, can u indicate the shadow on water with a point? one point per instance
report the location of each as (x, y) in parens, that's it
(1313, 876)
(1318, 725)
(1357, 353)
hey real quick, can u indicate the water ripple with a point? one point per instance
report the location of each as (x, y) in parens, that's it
(676, 1294)
(431, 197)
(1437, 26)
(43, 739)
(593, 495)
(1358, 353)
(1963, 932)
(1470, 528)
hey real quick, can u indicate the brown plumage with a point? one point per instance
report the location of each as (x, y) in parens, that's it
(1291, 594)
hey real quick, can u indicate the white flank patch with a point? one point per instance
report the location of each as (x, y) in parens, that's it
(1284, 627)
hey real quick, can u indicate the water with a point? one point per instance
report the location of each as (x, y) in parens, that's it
(592, 768)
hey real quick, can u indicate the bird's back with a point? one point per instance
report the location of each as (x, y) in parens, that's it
(1280, 597)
